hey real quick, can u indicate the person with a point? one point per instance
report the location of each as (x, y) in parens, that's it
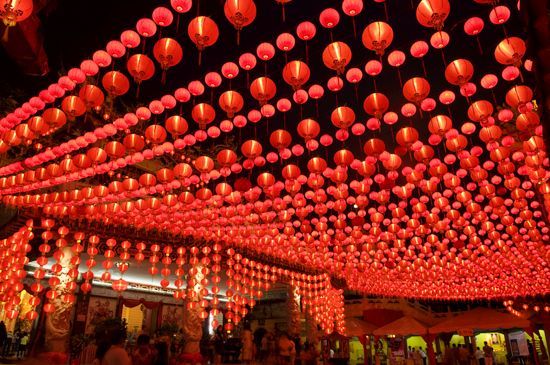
(488, 354)
(218, 341)
(264, 347)
(422, 355)
(480, 358)
(286, 349)
(416, 356)
(3, 336)
(463, 355)
(143, 354)
(111, 351)
(22, 348)
(247, 353)
(298, 347)
(309, 354)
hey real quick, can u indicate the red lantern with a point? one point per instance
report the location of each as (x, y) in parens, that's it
(296, 73)
(203, 114)
(168, 53)
(459, 72)
(14, 11)
(263, 89)
(510, 51)
(115, 83)
(204, 32)
(240, 13)
(432, 13)
(336, 56)
(377, 37)
(231, 102)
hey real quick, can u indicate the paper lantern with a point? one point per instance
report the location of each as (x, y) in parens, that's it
(240, 13)
(14, 11)
(336, 56)
(432, 13)
(377, 37)
(296, 73)
(231, 102)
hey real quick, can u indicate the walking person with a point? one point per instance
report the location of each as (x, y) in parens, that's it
(488, 353)
(423, 356)
(22, 347)
(218, 341)
(287, 350)
(248, 345)
(480, 356)
(143, 354)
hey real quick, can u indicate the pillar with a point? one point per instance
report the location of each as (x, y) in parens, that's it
(192, 327)
(294, 311)
(58, 323)
(430, 348)
(543, 348)
(531, 333)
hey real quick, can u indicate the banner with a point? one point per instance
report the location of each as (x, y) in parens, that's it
(518, 343)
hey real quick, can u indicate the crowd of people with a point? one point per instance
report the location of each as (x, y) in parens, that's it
(264, 347)
(14, 345)
(463, 354)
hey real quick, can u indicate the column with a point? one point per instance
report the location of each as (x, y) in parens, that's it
(531, 333)
(429, 338)
(58, 322)
(294, 311)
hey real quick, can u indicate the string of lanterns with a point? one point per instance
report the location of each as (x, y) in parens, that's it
(436, 214)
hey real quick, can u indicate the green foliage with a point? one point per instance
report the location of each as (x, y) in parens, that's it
(77, 344)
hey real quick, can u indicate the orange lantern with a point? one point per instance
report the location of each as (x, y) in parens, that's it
(480, 110)
(376, 104)
(280, 139)
(296, 73)
(54, 117)
(459, 72)
(308, 129)
(134, 142)
(13, 11)
(140, 67)
(518, 96)
(204, 164)
(377, 37)
(510, 51)
(231, 102)
(168, 53)
(176, 125)
(440, 124)
(263, 89)
(91, 95)
(240, 13)
(406, 137)
(342, 117)
(115, 83)
(155, 134)
(374, 147)
(73, 106)
(416, 89)
(226, 157)
(432, 13)
(115, 149)
(336, 56)
(251, 149)
(203, 114)
(204, 32)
